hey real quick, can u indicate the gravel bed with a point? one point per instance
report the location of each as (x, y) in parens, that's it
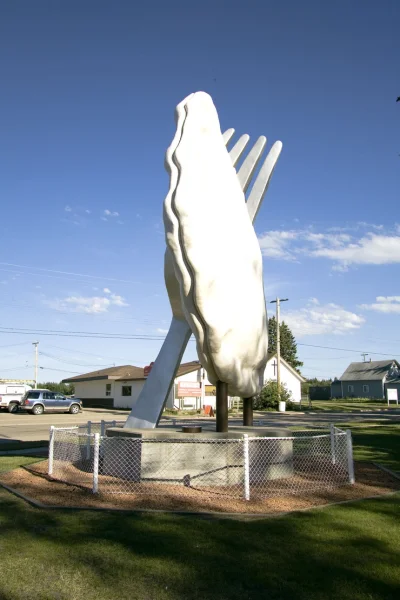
(33, 482)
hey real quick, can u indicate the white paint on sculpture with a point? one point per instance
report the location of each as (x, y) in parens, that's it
(215, 252)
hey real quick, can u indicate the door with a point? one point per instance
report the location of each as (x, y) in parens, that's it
(50, 402)
(61, 402)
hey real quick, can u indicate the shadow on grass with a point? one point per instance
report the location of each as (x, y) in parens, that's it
(343, 552)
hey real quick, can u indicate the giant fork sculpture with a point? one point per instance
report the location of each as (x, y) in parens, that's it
(149, 406)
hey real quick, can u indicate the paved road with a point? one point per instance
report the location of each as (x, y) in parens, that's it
(28, 427)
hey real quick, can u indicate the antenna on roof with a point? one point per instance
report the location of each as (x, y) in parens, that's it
(364, 354)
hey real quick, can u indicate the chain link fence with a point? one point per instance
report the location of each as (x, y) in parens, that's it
(249, 467)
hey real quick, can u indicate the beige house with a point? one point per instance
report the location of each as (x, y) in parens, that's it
(119, 387)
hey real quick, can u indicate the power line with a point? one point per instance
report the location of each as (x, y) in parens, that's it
(87, 334)
(11, 345)
(60, 370)
(69, 273)
(71, 362)
(345, 349)
(121, 336)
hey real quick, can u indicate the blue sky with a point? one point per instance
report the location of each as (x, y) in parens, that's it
(88, 97)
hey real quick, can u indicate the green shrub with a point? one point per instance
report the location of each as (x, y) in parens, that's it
(268, 398)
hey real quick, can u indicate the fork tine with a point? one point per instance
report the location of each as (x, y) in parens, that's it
(261, 183)
(226, 136)
(249, 165)
(238, 148)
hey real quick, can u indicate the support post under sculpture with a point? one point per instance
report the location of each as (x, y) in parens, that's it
(147, 411)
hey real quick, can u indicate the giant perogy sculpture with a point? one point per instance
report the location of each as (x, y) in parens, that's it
(214, 280)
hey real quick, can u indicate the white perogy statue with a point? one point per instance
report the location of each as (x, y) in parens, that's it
(213, 264)
(216, 255)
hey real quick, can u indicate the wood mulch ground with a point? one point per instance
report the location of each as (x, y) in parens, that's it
(33, 482)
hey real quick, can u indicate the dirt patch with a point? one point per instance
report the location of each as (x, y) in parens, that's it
(34, 483)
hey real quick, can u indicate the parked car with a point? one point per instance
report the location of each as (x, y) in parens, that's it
(11, 394)
(40, 401)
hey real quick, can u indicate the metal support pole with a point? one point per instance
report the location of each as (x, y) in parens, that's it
(51, 450)
(350, 462)
(222, 406)
(248, 412)
(333, 450)
(246, 463)
(96, 463)
(89, 430)
(102, 428)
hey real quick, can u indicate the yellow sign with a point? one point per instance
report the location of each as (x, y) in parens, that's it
(211, 390)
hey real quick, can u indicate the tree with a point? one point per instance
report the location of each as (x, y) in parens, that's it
(268, 398)
(288, 343)
(63, 388)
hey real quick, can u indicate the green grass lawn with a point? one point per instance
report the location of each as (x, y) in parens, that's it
(355, 405)
(375, 442)
(347, 552)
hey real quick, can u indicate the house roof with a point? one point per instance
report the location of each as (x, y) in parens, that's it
(289, 367)
(375, 370)
(126, 372)
(132, 373)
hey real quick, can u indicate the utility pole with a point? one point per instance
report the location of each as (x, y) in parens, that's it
(364, 354)
(278, 342)
(36, 344)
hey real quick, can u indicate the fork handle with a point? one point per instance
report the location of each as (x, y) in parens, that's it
(148, 408)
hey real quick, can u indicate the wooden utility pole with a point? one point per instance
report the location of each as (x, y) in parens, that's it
(278, 342)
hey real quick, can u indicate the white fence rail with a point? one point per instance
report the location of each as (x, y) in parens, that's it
(250, 467)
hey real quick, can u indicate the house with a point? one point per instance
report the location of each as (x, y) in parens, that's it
(367, 380)
(289, 376)
(119, 387)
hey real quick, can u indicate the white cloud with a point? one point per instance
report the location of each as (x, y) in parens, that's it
(110, 213)
(160, 330)
(118, 300)
(372, 249)
(88, 212)
(276, 244)
(319, 319)
(68, 209)
(384, 304)
(345, 250)
(87, 304)
(106, 291)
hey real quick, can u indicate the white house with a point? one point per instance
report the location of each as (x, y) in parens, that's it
(119, 387)
(289, 376)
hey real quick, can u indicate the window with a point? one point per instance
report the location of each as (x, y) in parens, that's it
(33, 395)
(48, 396)
(366, 389)
(127, 390)
(350, 389)
(59, 397)
(108, 389)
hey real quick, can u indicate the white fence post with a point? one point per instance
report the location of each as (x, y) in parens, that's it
(246, 467)
(51, 450)
(333, 441)
(89, 430)
(102, 428)
(96, 463)
(350, 462)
